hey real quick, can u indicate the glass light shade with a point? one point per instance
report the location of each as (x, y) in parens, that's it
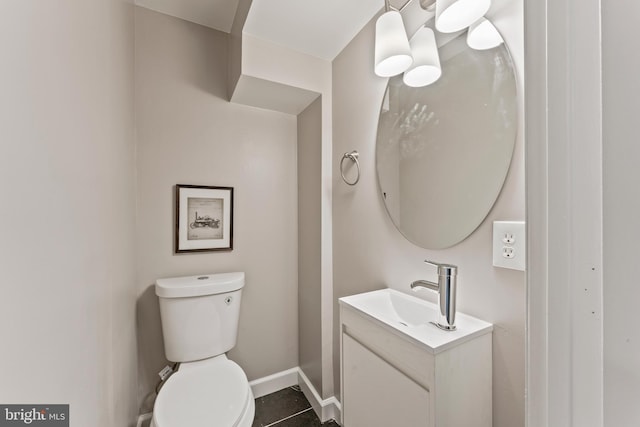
(392, 50)
(456, 15)
(426, 61)
(483, 35)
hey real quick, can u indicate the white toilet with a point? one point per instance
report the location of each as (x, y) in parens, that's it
(200, 324)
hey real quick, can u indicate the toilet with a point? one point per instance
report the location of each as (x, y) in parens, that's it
(200, 324)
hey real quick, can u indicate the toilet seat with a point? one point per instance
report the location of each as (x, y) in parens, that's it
(210, 394)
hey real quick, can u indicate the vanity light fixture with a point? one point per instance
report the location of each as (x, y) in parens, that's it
(456, 15)
(392, 50)
(483, 35)
(419, 59)
(426, 61)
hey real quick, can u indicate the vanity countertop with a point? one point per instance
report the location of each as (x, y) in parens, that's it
(410, 317)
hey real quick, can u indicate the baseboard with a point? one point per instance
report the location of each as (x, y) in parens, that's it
(326, 409)
(272, 383)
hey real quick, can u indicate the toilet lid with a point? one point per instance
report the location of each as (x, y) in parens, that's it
(204, 397)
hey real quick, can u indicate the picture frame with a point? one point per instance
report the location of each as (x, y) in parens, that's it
(203, 218)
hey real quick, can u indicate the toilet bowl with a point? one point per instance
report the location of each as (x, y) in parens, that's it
(199, 323)
(210, 393)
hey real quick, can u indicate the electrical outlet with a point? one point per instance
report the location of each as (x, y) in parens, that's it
(509, 245)
(507, 252)
(508, 238)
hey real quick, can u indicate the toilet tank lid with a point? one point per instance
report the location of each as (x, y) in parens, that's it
(204, 284)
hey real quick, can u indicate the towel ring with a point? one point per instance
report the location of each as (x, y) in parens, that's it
(353, 156)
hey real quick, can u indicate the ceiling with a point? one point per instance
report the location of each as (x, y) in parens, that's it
(321, 28)
(217, 14)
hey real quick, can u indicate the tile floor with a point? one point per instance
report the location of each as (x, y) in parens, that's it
(287, 408)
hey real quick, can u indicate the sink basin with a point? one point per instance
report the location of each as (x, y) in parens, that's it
(411, 317)
(399, 369)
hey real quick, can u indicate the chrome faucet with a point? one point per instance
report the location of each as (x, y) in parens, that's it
(446, 288)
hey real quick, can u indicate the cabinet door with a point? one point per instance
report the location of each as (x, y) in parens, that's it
(376, 394)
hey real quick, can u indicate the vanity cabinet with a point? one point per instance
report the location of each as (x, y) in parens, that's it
(391, 377)
(376, 393)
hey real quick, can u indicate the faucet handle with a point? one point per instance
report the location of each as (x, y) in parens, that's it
(444, 269)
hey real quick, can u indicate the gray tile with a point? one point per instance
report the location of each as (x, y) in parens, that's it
(306, 419)
(281, 404)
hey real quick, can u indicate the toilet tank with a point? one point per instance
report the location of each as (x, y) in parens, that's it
(199, 314)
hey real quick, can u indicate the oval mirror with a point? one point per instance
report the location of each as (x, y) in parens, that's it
(443, 151)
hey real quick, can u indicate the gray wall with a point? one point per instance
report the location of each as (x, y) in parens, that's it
(309, 198)
(189, 134)
(67, 311)
(621, 151)
(369, 253)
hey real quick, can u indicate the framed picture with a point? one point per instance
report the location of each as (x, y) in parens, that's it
(204, 218)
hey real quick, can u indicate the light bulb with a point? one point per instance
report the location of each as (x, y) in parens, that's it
(483, 35)
(456, 15)
(392, 50)
(426, 61)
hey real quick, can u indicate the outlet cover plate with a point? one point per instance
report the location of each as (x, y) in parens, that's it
(509, 245)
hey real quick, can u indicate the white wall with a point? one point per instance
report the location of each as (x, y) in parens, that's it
(621, 151)
(188, 133)
(67, 311)
(271, 76)
(309, 231)
(369, 253)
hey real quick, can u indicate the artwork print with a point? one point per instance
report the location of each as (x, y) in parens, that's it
(203, 218)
